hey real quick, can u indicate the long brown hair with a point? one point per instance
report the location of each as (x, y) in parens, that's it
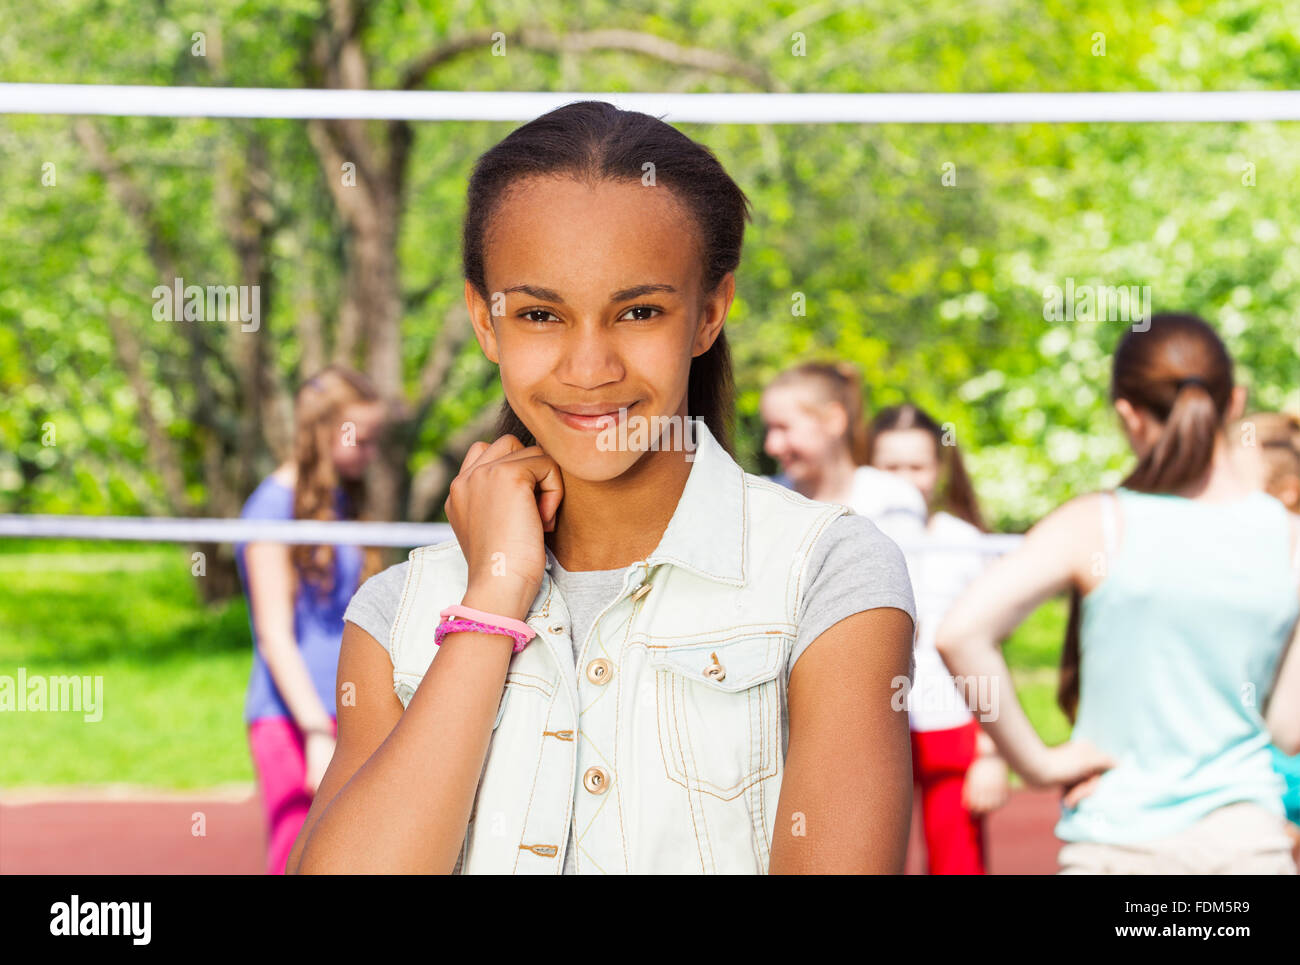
(318, 408)
(954, 492)
(1180, 372)
(596, 141)
(839, 383)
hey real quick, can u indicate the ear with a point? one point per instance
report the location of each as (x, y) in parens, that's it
(480, 316)
(835, 419)
(1129, 418)
(714, 313)
(1237, 403)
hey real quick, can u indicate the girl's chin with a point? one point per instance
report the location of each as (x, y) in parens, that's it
(594, 465)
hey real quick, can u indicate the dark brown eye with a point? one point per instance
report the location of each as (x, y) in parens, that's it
(645, 308)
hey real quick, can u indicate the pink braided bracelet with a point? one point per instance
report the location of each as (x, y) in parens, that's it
(457, 619)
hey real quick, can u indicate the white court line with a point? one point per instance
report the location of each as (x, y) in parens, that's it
(734, 108)
(235, 792)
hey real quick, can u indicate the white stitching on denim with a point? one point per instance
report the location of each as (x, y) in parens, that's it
(541, 755)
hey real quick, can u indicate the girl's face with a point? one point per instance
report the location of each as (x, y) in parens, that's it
(357, 439)
(801, 435)
(909, 453)
(595, 307)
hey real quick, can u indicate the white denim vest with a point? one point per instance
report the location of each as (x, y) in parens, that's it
(667, 741)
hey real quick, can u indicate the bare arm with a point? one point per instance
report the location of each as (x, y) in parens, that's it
(846, 798)
(397, 796)
(404, 806)
(363, 725)
(969, 638)
(270, 597)
(1283, 715)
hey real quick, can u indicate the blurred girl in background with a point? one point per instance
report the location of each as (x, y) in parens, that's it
(297, 595)
(1186, 593)
(956, 765)
(1268, 449)
(814, 428)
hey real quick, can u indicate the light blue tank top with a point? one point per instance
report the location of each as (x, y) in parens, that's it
(1179, 645)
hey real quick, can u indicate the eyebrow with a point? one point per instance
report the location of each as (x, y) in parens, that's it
(622, 295)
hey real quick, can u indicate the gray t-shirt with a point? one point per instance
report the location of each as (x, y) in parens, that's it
(854, 567)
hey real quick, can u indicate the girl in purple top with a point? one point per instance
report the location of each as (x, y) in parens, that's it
(297, 595)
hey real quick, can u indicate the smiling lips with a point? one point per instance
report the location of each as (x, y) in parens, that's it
(590, 417)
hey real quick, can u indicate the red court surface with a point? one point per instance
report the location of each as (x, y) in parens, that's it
(115, 832)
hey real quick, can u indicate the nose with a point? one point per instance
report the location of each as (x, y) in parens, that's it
(590, 358)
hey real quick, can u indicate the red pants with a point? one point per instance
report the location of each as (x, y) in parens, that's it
(954, 837)
(279, 757)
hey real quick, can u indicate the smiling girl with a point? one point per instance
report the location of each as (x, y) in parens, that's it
(628, 660)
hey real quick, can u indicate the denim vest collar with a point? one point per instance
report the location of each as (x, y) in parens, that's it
(706, 533)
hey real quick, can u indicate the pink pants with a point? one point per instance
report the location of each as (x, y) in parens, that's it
(280, 759)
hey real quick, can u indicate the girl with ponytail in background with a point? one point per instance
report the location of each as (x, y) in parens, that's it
(954, 762)
(297, 595)
(1186, 592)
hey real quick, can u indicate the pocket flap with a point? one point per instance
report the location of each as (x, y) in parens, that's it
(730, 663)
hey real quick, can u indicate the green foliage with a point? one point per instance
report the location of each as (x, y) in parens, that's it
(936, 291)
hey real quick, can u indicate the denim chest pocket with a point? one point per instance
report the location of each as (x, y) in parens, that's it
(718, 708)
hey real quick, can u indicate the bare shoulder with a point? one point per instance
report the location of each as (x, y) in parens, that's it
(1080, 518)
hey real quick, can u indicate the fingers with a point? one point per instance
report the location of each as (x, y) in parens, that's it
(487, 452)
(551, 485)
(1079, 791)
(544, 473)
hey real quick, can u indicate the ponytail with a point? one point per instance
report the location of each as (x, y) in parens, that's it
(1183, 452)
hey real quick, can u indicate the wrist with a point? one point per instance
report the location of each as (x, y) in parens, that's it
(497, 602)
(1036, 767)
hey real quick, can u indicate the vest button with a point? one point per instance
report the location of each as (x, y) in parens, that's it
(715, 670)
(595, 780)
(598, 671)
(557, 628)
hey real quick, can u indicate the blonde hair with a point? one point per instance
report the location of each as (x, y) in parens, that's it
(839, 383)
(1278, 436)
(318, 407)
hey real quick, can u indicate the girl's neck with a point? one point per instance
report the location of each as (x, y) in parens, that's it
(613, 524)
(835, 482)
(1220, 484)
(286, 473)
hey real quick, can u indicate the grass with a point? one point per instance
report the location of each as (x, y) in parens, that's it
(174, 672)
